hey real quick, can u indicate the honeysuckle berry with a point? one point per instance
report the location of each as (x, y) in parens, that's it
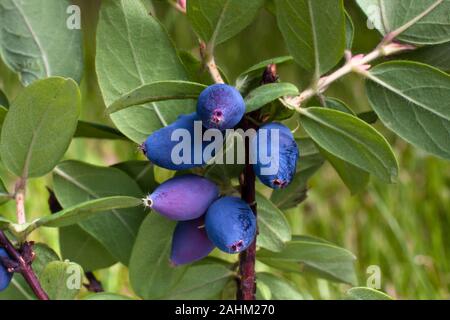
(284, 149)
(220, 106)
(230, 224)
(159, 145)
(5, 276)
(183, 198)
(190, 242)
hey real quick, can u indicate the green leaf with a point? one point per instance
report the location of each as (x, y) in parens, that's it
(216, 21)
(349, 31)
(44, 255)
(310, 161)
(27, 48)
(274, 230)
(315, 40)
(76, 182)
(339, 105)
(39, 126)
(79, 246)
(5, 223)
(257, 70)
(200, 282)
(106, 296)
(133, 49)
(140, 171)
(353, 177)
(4, 194)
(388, 15)
(280, 289)
(315, 255)
(3, 112)
(61, 280)
(267, 93)
(86, 210)
(3, 100)
(362, 293)
(157, 91)
(436, 56)
(352, 140)
(151, 274)
(412, 99)
(87, 129)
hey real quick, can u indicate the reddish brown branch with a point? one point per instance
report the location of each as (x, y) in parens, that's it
(247, 259)
(23, 260)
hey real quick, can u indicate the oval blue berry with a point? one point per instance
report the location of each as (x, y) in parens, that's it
(230, 224)
(190, 242)
(183, 198)
(220, 106)
(5, 276)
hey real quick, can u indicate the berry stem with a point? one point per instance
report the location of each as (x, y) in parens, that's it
(24, 268)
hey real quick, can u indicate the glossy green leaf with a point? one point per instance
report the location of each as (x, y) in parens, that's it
(388, 15)
(157, 91)
(27, 48)
(200, 282)
(310, 161)
(133, 49)
(39, 126)
(140, 171)
(87, 129)
(76, 182)
(274, 230)
(79, 246)
(315, 255)
(362, 293)
(216, 21)
(352, 140)
(4, 194)
(106, 296)
(86, 210)
(61, 280)
(412, 100)
(316, 41)
(280, 289)
(151, 274)
(267, 93)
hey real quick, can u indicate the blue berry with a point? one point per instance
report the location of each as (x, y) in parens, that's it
(183, 198)
(158, 147)
(190, 242)
(220, 106)
(5, 276)
(287, 151)
(230, 224)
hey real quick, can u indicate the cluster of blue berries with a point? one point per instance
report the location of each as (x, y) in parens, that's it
(206, 220)
(5, 275)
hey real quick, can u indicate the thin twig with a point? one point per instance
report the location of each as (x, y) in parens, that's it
(24, 265)
(210, 63)
(19, 196)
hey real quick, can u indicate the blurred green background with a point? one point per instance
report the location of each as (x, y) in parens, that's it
(401, 228)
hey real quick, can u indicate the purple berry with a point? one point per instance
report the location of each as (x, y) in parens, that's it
(220, 106)
(230, 224)
(183, 198)
(158, 146)
(287, 151)
(190, 242)
(5, 276)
